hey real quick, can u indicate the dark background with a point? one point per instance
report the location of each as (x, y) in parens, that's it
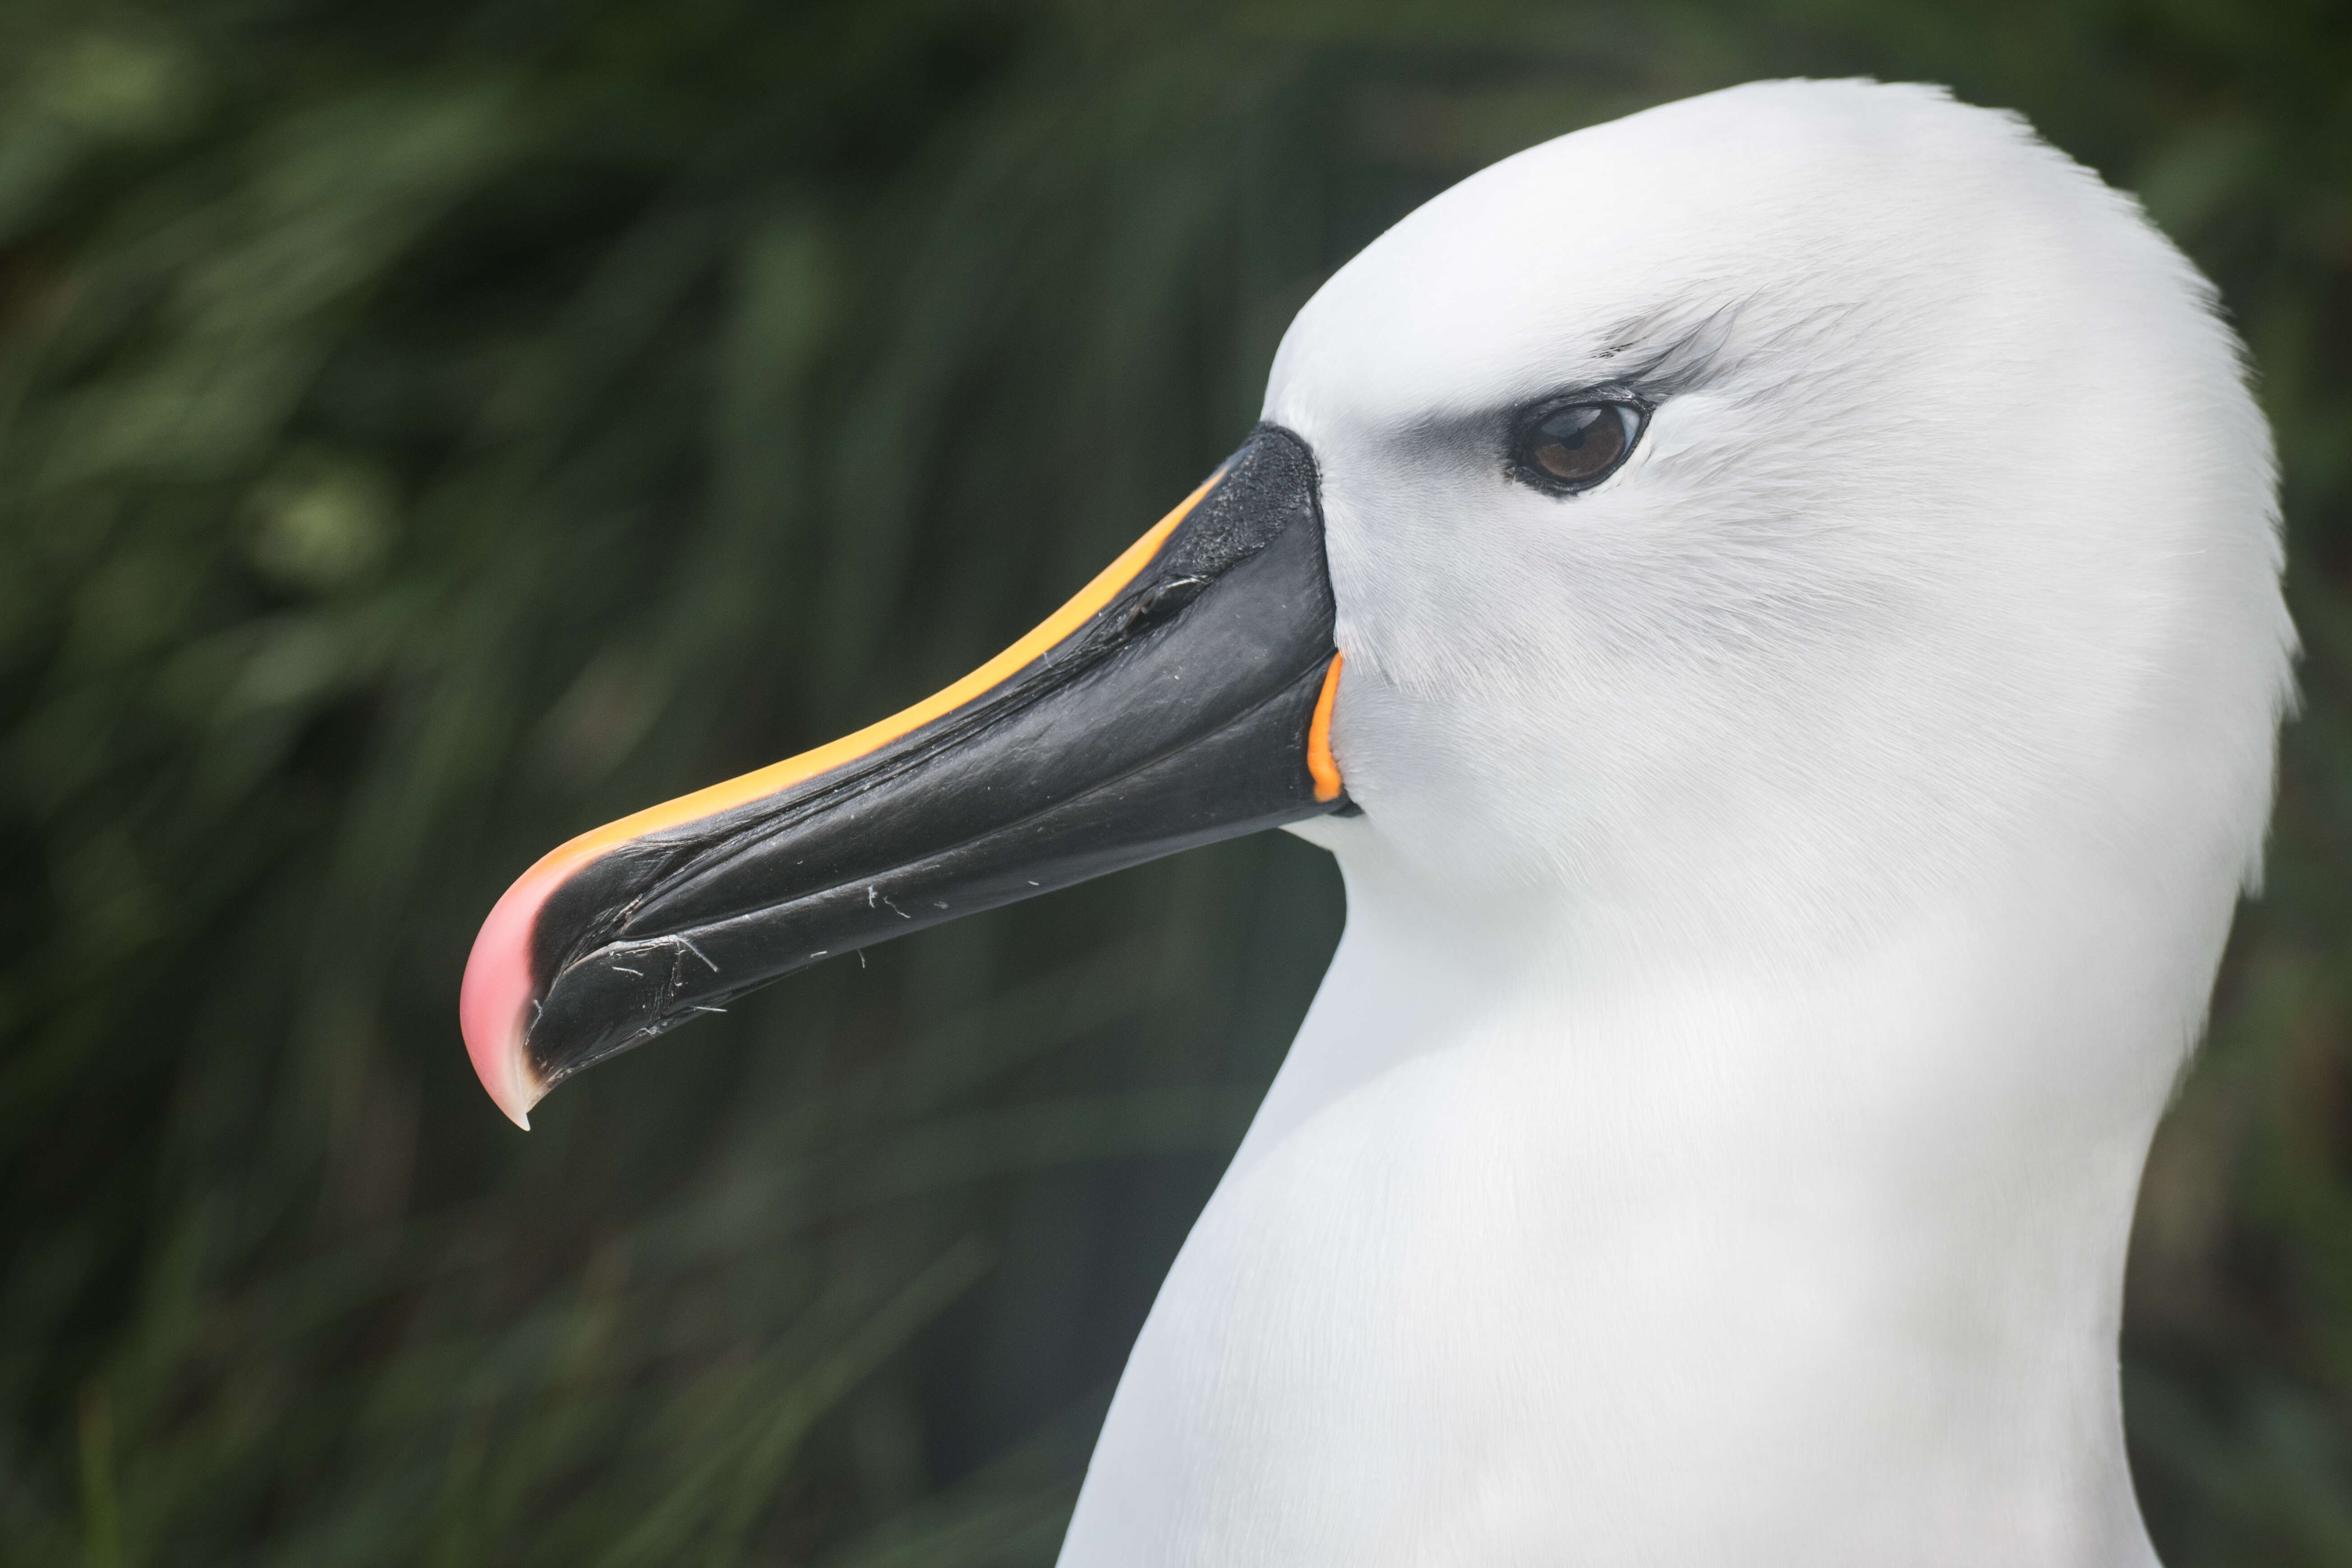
(429, 430)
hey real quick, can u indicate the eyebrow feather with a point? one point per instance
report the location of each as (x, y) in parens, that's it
(1671, 348)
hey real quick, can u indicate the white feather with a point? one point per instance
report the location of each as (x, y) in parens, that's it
(1792, 872)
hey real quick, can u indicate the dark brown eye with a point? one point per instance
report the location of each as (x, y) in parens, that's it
(1577, 445)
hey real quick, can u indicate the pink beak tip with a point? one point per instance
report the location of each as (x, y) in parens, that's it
(496, 998)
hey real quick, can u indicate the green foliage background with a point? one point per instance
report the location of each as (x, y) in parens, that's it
(426, 431)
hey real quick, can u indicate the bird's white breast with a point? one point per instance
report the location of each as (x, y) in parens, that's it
(1704, 1270)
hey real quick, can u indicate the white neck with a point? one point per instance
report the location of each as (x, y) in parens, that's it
(1678, 1265)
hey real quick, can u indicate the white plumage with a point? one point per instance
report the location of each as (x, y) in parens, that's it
(1791, 875)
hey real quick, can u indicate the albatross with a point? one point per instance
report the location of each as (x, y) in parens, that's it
(1773, 604)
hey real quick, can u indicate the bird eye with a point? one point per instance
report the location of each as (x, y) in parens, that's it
(1571, 446)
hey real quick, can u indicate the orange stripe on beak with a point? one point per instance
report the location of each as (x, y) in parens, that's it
(1320, 764)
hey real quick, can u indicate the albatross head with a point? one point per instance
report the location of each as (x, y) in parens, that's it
(1943, 556)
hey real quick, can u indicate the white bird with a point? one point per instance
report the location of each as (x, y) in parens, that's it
(1806, 565)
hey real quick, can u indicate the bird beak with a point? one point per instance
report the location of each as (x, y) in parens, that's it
(1183, 697)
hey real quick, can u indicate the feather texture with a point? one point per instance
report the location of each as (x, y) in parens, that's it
(1792, 872)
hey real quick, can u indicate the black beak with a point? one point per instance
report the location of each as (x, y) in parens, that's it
(1183, 697)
